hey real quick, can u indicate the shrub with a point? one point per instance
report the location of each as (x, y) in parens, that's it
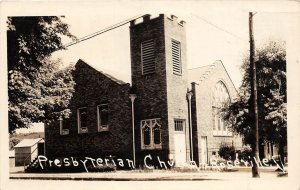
(227, 152)
(245, 154)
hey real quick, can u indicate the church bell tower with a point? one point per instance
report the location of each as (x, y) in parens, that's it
(159, 79)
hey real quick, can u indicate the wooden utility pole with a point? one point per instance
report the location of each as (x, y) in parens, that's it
(255, 149)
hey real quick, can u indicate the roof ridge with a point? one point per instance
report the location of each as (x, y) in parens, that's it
(104, 73)
(207, 72)
(28, 142)
(199, 67)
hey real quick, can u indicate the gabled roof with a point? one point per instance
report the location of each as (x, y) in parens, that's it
(201, 73)
(196, 73)
(29, 142)
(80, 61)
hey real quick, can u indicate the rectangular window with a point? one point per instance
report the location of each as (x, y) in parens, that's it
(151, 134)
(82, 120)
(176, 57)
(102, 115)
(178, 125)
(148, 58)
(62, 123)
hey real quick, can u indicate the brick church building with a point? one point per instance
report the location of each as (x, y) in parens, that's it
(168, 100)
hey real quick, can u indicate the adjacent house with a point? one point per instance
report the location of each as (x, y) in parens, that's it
(172, 113)
(27, 150)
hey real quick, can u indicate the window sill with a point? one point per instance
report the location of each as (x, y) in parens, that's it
(103, 128)
(64, 132)
(153, 147)
(177, 74)
(148, 75)
(222, 134)
(83, 130)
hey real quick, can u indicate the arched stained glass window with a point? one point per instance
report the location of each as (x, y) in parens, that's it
(220, 94)
(146, 132)
(220, 97)
(156, 135)
(151, 133)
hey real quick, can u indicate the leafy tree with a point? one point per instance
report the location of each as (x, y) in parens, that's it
(38, 90)
(271, 89)
(13, 142)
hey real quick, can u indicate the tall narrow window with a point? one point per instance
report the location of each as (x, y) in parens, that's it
(220, 98)
(214, 117)
(82, 120)
(62, 124)
(147, 136)
(151, 134)
(156, 135)
(176, 57)
(156, 131)
(147, 56)
(102, 113)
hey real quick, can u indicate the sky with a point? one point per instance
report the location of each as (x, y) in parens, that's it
(214, 31)
(34, 128)
(211, 35)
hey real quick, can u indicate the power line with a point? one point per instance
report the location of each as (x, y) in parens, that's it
(218, 27)
(102, 31)
(133, 18)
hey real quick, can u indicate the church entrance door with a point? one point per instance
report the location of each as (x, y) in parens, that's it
(180, 143)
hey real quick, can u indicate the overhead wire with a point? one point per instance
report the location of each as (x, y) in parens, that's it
(137, 17)
(218, 27)
(102, 31)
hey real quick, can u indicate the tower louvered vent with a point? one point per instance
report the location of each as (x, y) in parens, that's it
(148, 57)
(176, 57)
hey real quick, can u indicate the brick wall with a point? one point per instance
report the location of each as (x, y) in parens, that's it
(93, 88)
(176, 84)
(151, 101)
(160, 94)
(202, 111)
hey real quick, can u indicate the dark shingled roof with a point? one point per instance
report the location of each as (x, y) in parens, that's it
(105, 74)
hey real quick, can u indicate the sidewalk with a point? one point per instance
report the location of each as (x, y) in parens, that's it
(157, 175)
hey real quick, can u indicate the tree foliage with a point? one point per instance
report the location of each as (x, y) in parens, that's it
(271, 89)
(38, 90)
(227, 152)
